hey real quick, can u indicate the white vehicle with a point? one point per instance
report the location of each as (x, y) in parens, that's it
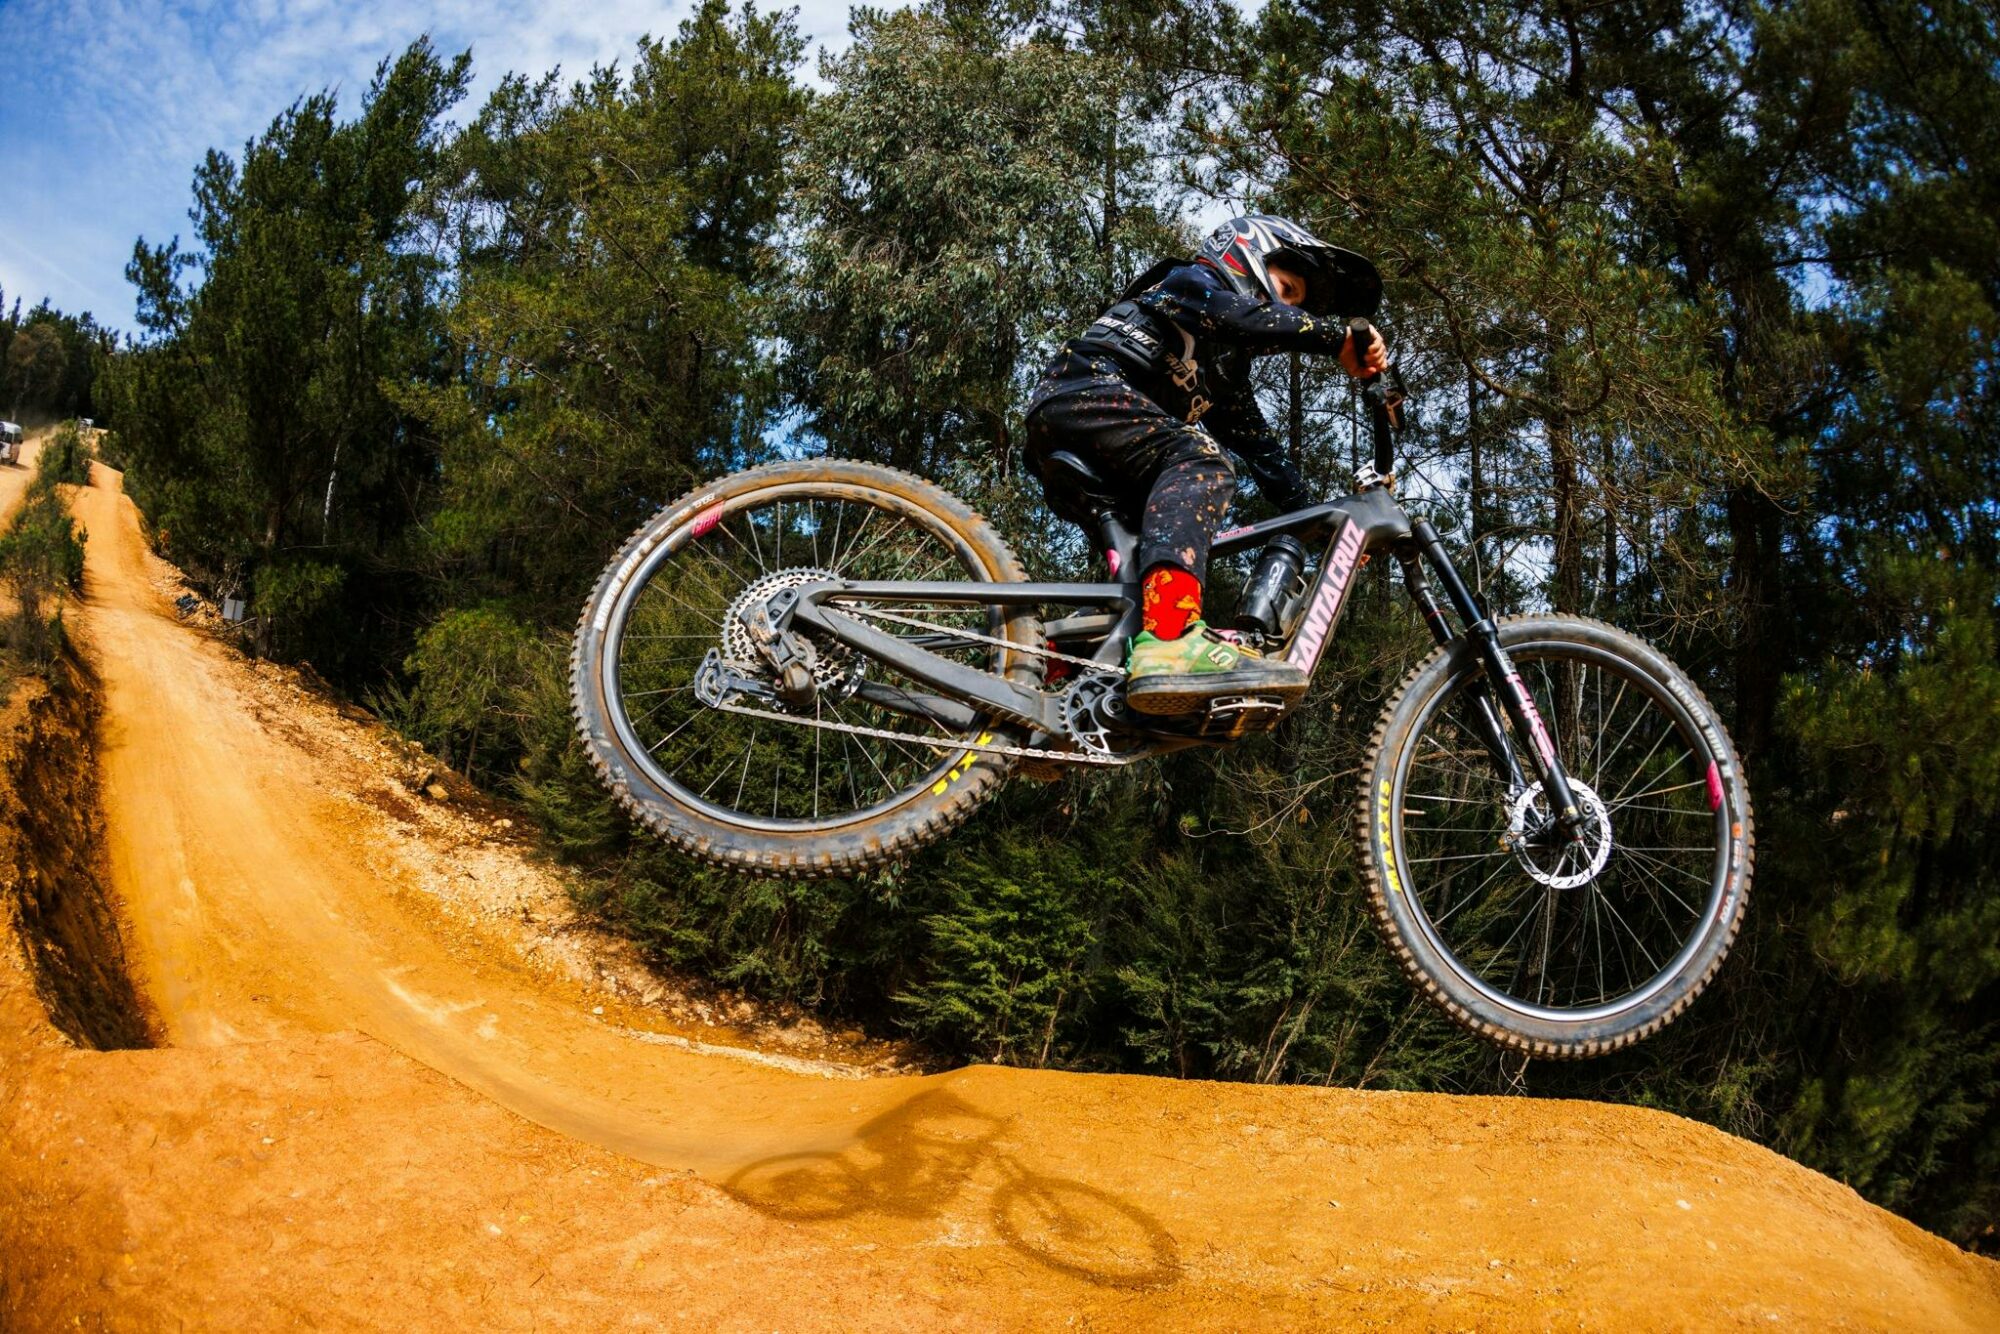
(10, 443)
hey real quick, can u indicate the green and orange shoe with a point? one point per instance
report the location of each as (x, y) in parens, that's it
(1175, 676)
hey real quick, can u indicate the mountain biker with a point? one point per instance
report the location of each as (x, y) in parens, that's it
(1154, 391)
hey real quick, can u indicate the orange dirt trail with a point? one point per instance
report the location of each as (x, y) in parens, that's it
(368, 1112)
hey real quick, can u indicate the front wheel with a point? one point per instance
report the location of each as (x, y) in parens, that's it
(1553, 947)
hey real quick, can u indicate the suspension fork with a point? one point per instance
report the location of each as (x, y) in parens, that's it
(1478, 705)
(1501, 677)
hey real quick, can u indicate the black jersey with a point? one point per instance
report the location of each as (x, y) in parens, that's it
(1186, 342)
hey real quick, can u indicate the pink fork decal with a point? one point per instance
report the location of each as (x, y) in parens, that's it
(1536, 728)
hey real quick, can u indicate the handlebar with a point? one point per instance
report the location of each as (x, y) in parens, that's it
(1386, 399)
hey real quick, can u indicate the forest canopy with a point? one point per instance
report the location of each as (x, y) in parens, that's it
(1700, 302)
(49, 362)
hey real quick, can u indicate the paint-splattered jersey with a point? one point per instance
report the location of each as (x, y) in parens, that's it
(1186, 342)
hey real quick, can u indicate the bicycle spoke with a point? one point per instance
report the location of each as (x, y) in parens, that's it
(1650, 867)
(1473, 895)
(1626, 805)
(1661, 791)
(671, 735)
(1597, 750)
(1619, 918)
(1606, 765)
(1650, 752)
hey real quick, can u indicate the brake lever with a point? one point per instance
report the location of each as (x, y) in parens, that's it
(1385, 390)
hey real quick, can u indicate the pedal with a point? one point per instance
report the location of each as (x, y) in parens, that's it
(1231, 716)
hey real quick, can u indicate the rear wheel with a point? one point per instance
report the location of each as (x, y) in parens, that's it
(1550, 946)
(838, 780)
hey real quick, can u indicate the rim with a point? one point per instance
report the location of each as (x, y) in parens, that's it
(1591, 945)
(676, 604)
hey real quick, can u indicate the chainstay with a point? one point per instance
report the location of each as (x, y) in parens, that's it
(939, 743)
(872, 614)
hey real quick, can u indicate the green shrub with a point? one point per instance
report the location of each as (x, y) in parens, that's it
(1005, 952)
(290, 596)
(64, 458)
(472, 669)
(41, 564)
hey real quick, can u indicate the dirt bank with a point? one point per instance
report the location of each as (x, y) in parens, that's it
(58, 911)
(382, 1105)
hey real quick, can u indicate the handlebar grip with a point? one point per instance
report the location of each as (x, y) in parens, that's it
(1358, 336)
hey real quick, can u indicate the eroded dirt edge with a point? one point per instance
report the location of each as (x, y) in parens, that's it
(57, 915)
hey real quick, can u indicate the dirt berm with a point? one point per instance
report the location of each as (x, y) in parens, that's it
(396, 1086)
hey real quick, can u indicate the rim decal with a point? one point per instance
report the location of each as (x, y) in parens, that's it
(704, 522)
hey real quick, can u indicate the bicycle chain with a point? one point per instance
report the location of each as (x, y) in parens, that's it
(939, 743)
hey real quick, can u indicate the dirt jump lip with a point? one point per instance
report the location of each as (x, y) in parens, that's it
(274, 913)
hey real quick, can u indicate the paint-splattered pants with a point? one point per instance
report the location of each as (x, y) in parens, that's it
(1174, 476)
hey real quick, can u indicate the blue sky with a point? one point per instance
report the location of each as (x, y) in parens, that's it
(107, 105)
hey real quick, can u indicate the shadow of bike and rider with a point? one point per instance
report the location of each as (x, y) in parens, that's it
(916, 1158)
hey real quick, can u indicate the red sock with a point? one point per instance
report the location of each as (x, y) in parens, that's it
(1173, 598)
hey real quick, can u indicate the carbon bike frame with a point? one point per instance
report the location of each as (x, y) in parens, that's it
(1349, 530)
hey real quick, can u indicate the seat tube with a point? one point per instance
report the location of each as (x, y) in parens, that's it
(1500, 671)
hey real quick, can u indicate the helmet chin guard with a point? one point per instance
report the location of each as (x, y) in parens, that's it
(1338, 281)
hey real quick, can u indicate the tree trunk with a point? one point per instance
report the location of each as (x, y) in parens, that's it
(1753, 531)
(1110, 207)
(1607, 593)
(1566, 518)
(1477, 517)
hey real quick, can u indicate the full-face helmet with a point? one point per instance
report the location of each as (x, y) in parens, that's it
(1338, 281)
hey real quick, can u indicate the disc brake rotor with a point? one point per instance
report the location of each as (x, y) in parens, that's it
(1559, 867)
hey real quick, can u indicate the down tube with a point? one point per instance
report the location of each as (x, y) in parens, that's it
(1329, 596)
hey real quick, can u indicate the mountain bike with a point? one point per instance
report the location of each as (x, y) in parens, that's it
(815, 668)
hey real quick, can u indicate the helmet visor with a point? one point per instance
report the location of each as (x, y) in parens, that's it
(1338, 282)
